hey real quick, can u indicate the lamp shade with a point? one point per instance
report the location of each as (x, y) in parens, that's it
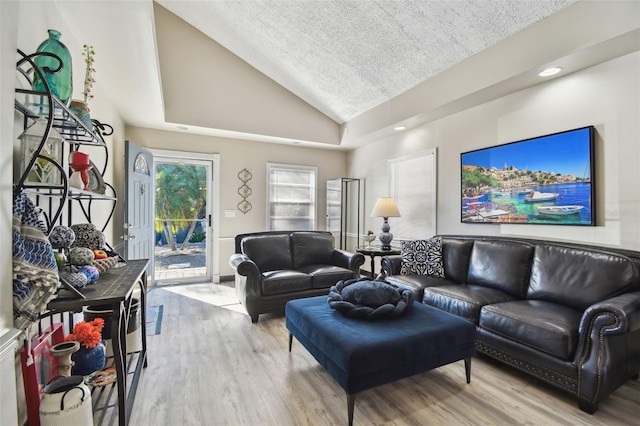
(385, 207)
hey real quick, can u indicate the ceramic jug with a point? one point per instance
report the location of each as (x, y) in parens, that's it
(66, 402)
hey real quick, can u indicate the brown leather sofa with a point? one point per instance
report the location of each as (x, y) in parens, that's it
(567, 314)
(274, 267)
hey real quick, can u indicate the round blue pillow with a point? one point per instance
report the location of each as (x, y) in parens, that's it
(369, 299)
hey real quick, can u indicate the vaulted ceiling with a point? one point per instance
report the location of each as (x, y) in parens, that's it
(346, 57)
(358, 67)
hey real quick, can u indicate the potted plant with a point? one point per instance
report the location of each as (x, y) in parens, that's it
(369, 237)
(92, 353)
(81, 108)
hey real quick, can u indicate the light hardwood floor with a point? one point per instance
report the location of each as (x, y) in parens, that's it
(211, 366)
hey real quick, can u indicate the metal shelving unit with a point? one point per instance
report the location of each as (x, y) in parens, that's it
(118, 284)
(33, 105)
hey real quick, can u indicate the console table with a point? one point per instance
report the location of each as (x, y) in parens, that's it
(116, 287)
(376, 251)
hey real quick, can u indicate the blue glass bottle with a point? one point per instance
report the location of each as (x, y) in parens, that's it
(61, 82)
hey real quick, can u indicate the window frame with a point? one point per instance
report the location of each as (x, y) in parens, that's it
(313, 202)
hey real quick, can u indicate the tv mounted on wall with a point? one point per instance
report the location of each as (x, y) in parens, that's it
(544, 180)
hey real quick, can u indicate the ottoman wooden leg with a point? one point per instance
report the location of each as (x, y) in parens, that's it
(351, 399)
(467, 367)
(290, 341)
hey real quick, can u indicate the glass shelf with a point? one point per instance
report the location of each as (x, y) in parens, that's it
(79, 194)
(70, 127)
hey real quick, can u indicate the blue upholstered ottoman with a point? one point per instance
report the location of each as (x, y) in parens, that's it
(362, 354)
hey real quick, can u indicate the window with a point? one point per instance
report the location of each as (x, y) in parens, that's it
(291, 201)
(417, 203)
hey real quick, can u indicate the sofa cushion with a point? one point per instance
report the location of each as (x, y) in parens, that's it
(423, 257)
(545, 326)
(578, 278)
(463, 300)
(284, 281)
(455, 258)
(416, 283)
(503, 265)
(325, 276)
(311, 248)
(269, 253)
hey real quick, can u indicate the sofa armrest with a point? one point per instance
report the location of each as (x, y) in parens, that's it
(391, 265)
(623, 314)
(607, 355)
(243, 265)
(349, 260)
(248, 277)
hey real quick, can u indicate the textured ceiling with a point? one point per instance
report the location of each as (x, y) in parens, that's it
(346, 57)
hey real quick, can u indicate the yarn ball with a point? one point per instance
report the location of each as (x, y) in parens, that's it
(76, 279)
(90, 272)
(87, 235)
(61, 237)
(80, 256)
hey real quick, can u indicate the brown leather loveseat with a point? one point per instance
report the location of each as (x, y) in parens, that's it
(274, 267)
(567, 314)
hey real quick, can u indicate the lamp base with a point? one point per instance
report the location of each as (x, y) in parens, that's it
(385, 236)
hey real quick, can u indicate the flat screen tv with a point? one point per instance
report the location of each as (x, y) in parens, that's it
(544, 180)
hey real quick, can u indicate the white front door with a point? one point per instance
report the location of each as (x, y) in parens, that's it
(138, 222)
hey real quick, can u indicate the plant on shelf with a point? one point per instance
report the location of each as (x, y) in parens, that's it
(88, 54)
(81, 108)
(87, 333)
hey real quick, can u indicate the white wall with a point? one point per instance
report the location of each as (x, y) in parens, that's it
(8, 43)
(236, 155)
(606, 96)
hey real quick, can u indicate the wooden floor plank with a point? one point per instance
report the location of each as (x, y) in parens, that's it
(211, 366)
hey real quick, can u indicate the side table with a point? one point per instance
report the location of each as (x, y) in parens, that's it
(376, 251)
(116, 287)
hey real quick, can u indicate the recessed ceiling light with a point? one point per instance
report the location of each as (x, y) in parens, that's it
(398, 128)
(550, 71)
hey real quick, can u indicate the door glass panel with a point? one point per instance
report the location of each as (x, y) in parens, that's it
(181, 222)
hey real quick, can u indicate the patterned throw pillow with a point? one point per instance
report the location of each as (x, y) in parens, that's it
(422, 257)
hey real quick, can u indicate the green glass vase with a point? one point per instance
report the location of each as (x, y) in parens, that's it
(60, 82)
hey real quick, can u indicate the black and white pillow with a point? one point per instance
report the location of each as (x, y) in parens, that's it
(422, 257)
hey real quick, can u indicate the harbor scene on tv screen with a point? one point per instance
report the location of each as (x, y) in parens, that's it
(544, 180)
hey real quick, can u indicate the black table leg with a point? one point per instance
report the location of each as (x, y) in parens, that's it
(119, 342)
(467, 368)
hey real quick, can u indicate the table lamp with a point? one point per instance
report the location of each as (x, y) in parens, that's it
(385, 208)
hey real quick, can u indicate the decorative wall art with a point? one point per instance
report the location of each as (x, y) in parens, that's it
(544, 180)
(245, 176)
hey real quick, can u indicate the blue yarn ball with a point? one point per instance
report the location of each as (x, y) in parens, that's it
(90, 272)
